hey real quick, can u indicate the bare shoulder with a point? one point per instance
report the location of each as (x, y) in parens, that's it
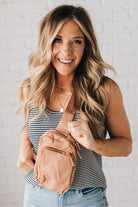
(112, 88)
(116, 118)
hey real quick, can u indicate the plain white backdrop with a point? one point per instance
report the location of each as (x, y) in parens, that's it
(116, 27)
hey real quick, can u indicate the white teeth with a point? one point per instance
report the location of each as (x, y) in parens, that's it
(65, 61)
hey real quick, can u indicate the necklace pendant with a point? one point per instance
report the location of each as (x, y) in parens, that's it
(61, 110)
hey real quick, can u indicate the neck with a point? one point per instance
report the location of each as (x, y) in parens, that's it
(64, 82)
(63, 90)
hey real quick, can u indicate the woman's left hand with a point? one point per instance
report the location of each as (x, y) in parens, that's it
(82, 133)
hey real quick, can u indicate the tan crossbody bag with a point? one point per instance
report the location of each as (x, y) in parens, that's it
(57, 155)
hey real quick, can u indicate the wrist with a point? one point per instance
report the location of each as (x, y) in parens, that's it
(26, 144)
(98, 146)
(93, 145)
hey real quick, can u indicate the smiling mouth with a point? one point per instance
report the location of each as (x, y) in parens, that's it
(65, 61)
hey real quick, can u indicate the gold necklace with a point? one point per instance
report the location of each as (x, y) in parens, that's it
(62, 106)
(66, 94)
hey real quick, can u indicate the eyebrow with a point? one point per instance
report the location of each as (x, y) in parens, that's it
(73, 37)
(78, 37)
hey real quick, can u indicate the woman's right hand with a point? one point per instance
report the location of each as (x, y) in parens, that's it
(27, 157)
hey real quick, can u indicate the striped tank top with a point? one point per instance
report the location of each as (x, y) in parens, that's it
(89, 169)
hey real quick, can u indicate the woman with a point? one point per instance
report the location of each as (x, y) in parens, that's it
(67, 61)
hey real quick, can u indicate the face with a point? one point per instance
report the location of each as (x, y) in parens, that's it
(68, 48)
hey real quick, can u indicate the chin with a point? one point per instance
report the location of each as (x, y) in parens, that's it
(65, 74)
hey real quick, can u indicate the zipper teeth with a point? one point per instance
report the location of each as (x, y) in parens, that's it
(55, 132)
(72, 158)
(55, 150)
(61, 152)
(60, 134)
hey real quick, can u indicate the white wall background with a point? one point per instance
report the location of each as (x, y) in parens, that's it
(116, 26)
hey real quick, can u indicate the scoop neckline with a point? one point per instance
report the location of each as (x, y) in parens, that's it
(57, 112)
(49, 110)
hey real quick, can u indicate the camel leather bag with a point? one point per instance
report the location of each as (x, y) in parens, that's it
(57, 155)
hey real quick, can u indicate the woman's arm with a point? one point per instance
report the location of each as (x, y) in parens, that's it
(26, 157)
(120, 142)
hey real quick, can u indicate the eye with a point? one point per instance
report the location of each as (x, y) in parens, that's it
(57, 40)
(77, 42)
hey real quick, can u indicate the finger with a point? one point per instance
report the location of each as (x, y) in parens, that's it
(73, 124)
(74, 133)
(22, 166)
(25, 168)
(76, 123)
(30, 164)
(26, 164)
(79, 134)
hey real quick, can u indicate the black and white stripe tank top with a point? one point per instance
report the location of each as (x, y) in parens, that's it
(89, 169)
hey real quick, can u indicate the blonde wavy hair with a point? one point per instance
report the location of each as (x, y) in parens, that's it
(89, 75)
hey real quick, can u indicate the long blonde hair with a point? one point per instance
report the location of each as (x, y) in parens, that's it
(89, 74)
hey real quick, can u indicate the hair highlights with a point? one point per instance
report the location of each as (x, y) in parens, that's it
(90, 96)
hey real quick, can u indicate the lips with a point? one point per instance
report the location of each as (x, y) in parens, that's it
(65, 61)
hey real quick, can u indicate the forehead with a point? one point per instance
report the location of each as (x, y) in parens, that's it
(70, 27)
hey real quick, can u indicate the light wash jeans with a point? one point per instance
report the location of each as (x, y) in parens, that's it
(40, 197)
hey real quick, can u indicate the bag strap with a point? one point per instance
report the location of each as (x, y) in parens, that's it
(67, 116)
(62, 126)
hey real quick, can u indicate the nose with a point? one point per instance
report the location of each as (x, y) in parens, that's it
(67, 48)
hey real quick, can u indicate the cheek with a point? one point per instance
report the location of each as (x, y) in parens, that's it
(54, 52)
(80, 53)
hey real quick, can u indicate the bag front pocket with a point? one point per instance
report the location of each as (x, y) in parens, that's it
(55, 169)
